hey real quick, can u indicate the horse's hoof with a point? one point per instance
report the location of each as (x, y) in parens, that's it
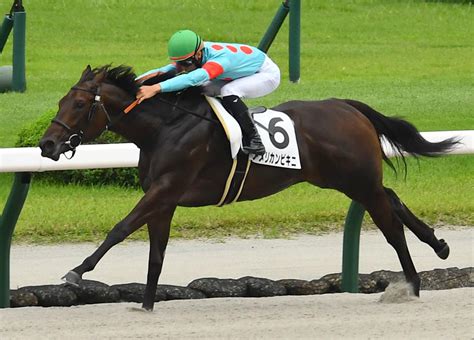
(147, 308)
(72, 278)
(444, 252)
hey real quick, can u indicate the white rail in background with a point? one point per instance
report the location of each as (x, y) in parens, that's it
(125, 155)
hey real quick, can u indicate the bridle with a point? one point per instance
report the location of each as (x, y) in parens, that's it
(75, 137)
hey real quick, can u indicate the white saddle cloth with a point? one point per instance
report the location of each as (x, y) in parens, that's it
(276, 130)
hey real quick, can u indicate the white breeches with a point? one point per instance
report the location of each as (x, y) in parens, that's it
(265, 81)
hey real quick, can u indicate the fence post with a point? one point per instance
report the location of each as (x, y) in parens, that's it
(5, 30)
(350, 248)
(294, 40)
(294, 8)
(274, 27)
(8, 219)
(19, 41)
(16, 21)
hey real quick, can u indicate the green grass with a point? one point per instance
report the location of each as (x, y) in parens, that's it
(73, 213)
(407, 58)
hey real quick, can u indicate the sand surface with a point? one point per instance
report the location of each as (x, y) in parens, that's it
(436, 315)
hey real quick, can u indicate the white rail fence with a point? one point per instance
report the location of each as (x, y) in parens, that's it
(125, 155)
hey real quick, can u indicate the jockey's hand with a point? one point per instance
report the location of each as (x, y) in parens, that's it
(146, 92)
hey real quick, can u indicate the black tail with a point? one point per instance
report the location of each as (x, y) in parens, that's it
(402, 135)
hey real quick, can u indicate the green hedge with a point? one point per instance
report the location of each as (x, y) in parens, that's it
(30, 135)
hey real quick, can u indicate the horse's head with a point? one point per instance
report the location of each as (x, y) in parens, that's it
(83, 114)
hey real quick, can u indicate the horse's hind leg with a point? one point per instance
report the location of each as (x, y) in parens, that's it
(418, 227)
(380, 209)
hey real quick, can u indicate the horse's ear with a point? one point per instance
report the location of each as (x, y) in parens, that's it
(99, 77)
(87, 71)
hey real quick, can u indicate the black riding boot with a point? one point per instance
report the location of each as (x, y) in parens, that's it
(251, 139)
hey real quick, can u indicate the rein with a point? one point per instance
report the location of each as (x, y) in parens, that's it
(75, 138)
(135, 103)
(187, 111)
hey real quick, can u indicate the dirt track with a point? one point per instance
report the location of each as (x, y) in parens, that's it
(436, 315)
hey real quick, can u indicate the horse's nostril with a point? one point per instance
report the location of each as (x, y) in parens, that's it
(46, 146)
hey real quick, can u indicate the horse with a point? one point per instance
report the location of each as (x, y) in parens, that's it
(184, 159)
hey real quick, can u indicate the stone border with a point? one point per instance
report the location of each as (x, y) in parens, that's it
(92, 292)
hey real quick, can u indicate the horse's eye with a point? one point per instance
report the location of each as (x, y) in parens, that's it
(79, 104)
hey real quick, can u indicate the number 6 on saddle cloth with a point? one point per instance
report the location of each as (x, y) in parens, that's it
(277, 132)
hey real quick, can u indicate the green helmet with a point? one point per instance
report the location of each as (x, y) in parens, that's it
(183, 44)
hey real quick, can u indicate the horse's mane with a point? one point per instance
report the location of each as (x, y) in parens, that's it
(121, 76)
(124, 77)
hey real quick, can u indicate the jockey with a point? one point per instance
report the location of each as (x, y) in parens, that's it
(232, 71)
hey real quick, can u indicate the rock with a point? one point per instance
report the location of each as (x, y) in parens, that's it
(95, 292)
(470, 272)
(261, 287)
(52, 295)
(445, 279)
(180, 293)
(214, 287)
(367, 284)
(295, 286)
(334, 281)
(22, 299)
(384, 277)
(133, 292)
(321, 286)
(302, 287)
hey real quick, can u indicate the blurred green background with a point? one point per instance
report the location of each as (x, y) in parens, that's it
(407, 58)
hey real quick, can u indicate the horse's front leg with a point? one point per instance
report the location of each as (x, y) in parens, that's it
(158, 231)
(141, 214)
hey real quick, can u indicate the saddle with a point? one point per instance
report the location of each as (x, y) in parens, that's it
(240, 160)
(278, 135)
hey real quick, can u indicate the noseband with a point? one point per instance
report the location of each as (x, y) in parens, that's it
(75, 138)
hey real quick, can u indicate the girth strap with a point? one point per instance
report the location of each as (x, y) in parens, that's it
(235, 181)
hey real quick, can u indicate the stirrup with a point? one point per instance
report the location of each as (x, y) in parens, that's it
(255, 148)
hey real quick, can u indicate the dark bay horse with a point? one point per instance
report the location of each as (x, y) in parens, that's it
(184, 159)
